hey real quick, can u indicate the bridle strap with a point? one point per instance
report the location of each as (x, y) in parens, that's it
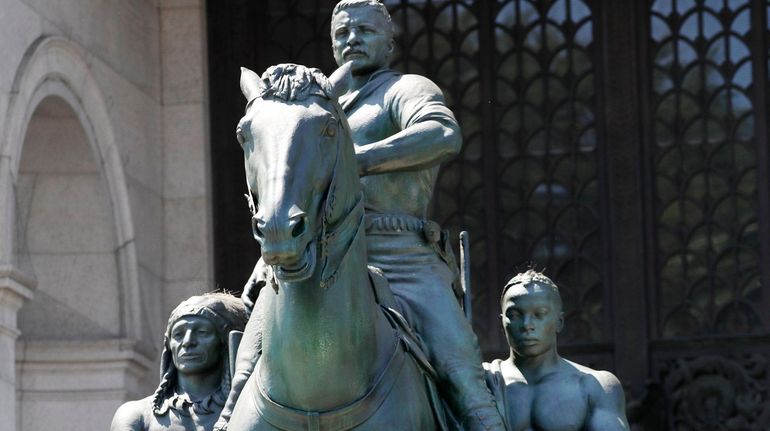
(327, 234)
(329, 237)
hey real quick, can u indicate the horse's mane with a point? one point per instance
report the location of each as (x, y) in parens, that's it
(290, 82)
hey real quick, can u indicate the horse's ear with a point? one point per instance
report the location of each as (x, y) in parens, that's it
(340, 80)
(250, 84)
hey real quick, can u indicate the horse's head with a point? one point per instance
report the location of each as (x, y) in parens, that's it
(293, 136)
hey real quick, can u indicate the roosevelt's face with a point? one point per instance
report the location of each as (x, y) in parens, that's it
(531, 318)
(361, 35)
(195, 346)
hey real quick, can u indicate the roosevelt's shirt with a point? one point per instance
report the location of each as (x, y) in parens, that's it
(388, 103)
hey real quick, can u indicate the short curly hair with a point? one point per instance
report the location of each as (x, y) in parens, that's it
(529, 278)
(376, 4)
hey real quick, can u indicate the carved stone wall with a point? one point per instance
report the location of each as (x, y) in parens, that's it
(103, 176)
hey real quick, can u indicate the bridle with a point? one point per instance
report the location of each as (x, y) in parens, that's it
(328, 231)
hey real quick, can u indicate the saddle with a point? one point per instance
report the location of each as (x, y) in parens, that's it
(413, 346)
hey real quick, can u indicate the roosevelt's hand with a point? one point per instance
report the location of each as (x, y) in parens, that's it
(258, 280)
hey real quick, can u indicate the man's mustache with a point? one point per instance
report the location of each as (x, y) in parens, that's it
(351, 51)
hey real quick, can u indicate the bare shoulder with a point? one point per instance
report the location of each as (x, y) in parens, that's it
(131, 416)
(601, 376)
(605, 395)
(598, 383)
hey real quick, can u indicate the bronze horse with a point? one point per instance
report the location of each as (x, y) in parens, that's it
(331, 360)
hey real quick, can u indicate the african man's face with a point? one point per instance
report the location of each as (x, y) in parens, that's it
(195, 346)
(532, 318)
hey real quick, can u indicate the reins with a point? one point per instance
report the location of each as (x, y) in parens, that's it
(330, 233)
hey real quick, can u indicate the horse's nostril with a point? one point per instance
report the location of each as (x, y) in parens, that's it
(256, 230)
(299, 228)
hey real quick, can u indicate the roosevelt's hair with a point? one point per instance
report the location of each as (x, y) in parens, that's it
(376, 4)
(531, 277)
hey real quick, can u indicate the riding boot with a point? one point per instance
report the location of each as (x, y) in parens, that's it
(456, 357)
(473, 401)
(246, 360)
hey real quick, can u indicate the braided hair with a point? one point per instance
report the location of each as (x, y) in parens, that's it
(226, 313)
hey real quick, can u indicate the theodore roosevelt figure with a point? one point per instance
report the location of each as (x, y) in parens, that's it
(402, 131)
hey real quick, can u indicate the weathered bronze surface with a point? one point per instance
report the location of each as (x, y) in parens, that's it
(401, 131)
(535, 388)
(195, 375)
(330, 358)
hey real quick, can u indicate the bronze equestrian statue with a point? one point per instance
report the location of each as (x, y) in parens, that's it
(331, 358)
(401, 131)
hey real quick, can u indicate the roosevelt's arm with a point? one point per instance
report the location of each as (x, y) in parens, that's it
(129, 417)
(260, 277)
(608, 411)
(429, 132)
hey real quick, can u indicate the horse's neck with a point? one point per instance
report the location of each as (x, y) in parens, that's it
(324, 346)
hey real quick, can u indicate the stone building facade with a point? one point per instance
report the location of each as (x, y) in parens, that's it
(104, 200)
(622, 145)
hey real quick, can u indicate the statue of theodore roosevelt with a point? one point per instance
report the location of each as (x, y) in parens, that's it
(402, 131)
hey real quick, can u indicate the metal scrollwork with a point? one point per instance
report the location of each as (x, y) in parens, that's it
(718, 393)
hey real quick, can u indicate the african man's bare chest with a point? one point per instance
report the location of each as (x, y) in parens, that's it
(553, 404)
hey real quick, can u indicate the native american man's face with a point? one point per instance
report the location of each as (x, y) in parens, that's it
(195, 345)
(362, 35)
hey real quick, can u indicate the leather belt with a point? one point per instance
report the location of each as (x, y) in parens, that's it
(393, 223)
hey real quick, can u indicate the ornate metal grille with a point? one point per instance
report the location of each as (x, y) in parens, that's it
(440, 39)
(298, 32)
(546, 150)
(710, 392)
(706, 168)
(530, 144)
(708, 133)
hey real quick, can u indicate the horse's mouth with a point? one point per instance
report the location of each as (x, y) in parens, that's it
(300, 271)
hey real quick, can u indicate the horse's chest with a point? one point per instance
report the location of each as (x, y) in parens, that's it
(548, 406)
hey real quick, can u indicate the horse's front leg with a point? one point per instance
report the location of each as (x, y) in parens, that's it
(245, 416)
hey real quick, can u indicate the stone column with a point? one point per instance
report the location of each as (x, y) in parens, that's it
(14, 290)
(187, 196)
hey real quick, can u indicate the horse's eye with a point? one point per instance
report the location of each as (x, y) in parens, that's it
(331, 130)
(239, 136)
